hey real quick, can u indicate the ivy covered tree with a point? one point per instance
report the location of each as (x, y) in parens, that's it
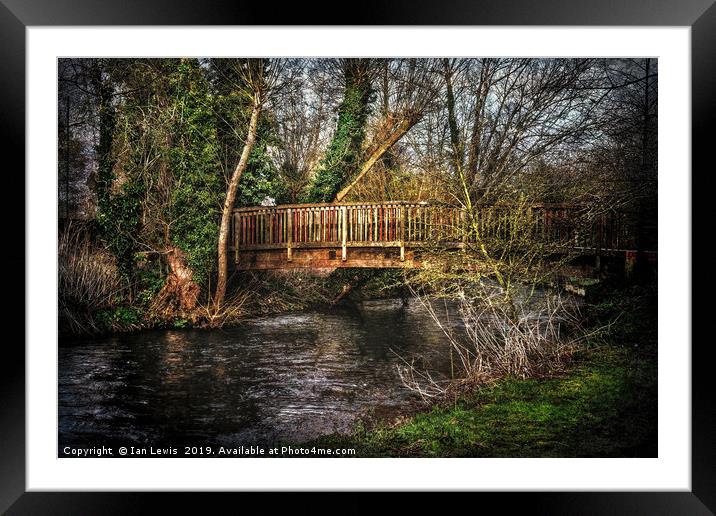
(196, 190)
(409, 88)
(169, 135)
(159, 192)
(119, 194)
(344, 152)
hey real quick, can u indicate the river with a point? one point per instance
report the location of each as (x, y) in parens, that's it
(279, 379)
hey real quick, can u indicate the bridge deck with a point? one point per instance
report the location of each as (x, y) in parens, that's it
(394, 234)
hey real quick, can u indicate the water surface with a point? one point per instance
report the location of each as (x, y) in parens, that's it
(274, 380)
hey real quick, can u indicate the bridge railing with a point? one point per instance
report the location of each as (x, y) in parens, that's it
(559, 225)
(411, 224)
(387, 224)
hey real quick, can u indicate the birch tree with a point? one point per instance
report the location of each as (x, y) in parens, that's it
(257, 80)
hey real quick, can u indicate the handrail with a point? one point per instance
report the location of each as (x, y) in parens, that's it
(380, 203)
(327, 204)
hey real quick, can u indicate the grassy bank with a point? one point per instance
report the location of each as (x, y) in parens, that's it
(604, 406)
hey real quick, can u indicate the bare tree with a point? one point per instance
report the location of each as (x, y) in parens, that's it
(301, 114)
(503, 115)
(624, 156)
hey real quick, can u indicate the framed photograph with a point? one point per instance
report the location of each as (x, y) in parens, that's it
(435, 250)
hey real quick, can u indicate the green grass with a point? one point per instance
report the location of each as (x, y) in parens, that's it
(604, 406)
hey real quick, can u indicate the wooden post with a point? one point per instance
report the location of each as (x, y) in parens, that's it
(237, 221)
(374, 233)
(289, 234)
(402, 233)
(409, 223)
(322, 219)
(344, 233)
(306, 223)
(359, 223)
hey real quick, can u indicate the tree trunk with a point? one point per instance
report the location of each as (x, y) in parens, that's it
(347, 289)
(229, 206)
(180, 293)
(396, 135)
(452, 120)
(455, 143)
(641, 265)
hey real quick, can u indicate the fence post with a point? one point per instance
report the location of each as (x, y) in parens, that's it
(344, 232)
(289, 233)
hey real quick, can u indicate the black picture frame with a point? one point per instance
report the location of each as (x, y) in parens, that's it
(16, 15)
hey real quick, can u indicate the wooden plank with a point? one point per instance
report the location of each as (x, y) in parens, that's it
(236, 237)
(254, 210)
(367, 244)
(402, 233)
(289, 235)
(247, 209)
(316, 259)
(344, 232)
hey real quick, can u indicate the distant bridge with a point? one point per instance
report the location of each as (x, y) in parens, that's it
(395, 234)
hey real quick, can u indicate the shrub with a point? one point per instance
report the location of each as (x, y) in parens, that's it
(88, 280)
(121, 318)
(499, 337)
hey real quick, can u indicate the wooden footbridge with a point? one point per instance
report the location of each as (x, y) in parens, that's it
(397, 234)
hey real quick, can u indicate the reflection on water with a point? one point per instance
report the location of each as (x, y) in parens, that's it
(278, 379)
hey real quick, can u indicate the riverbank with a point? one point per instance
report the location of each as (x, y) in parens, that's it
(252, 294)
(604, 406)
